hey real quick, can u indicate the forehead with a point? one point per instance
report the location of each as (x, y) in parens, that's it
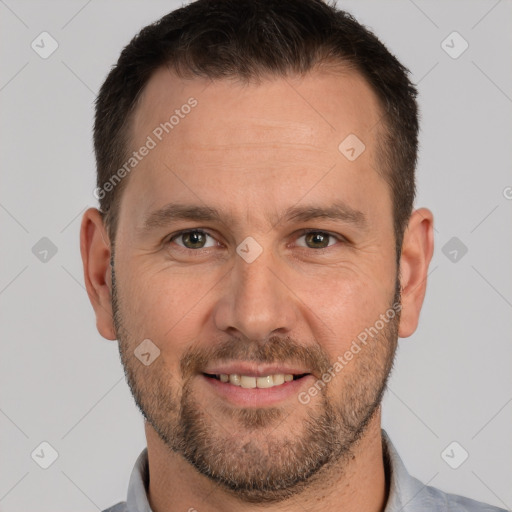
(277, 137)
(322, 106)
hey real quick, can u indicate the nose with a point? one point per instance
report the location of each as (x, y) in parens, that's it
(256, 302)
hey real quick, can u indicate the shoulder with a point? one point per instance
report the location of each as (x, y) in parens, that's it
(119, 507)
(454, 503)
(408, 494)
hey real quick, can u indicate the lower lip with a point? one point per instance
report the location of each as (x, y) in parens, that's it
(258, 397)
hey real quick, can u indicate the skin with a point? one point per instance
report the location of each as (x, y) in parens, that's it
(252, 151)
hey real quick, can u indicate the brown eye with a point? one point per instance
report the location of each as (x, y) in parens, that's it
(192, 239)
(317, 239)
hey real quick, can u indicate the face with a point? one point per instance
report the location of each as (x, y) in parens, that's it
(250, 248)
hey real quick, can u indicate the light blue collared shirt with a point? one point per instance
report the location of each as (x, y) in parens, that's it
(406, 493)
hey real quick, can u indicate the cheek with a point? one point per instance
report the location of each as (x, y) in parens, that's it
(343, 304)
(164, 306)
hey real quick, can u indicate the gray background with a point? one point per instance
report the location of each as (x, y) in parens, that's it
(62, 383)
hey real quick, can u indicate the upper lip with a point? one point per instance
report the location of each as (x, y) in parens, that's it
(254, 370)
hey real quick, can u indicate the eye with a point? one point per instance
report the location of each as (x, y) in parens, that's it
(193, 239)
(318, 239)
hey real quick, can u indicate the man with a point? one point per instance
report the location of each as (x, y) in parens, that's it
(256, 255)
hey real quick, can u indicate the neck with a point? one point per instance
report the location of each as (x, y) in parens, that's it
(354, 484)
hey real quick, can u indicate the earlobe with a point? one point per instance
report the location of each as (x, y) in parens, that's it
(95, 249)
(417, 250)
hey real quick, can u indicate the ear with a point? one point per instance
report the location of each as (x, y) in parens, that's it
(417, 250)
(95, 250)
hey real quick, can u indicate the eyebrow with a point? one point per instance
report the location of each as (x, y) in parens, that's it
(338, 211)
(177, 211)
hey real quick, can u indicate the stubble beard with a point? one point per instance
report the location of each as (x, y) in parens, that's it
(260, 455)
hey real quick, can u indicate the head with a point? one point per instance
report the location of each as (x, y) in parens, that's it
(256, 182)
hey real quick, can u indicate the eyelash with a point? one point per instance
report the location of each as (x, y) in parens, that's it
(302, 233)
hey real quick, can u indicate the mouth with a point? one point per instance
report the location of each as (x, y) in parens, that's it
(253, 381)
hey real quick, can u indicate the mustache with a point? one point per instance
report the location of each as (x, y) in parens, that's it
(273, 350)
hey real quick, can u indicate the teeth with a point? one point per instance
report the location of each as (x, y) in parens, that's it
(265, 382)
(278, 379)
(248, 382)
(234, 379)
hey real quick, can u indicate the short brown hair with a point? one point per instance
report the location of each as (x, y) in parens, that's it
(247, 39)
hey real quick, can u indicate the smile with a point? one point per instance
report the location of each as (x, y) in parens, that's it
(250, 382)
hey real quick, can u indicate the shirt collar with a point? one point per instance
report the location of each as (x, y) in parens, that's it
(137, 499)
(403, 488)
